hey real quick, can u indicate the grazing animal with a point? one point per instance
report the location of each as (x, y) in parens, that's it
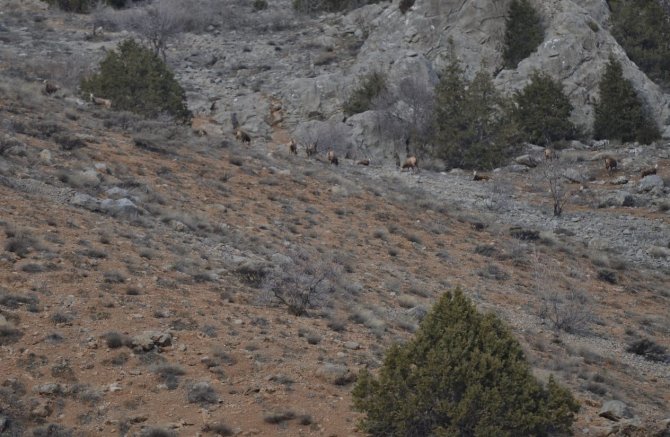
(293, 147)
(549, 154)
(311, 149)
(480, 177)
(50, 87)
(106, 103)
(649, 171)
(410, 163)
(332, 157)
(364, 162)
(242, 136)
(610, 164)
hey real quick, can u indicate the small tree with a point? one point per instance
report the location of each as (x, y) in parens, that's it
(543, 111)
(370, 86)
(300, 283)
(472, 129)
(620, 113)
(463, 374)
(523, 32)
(642, 27)
(137, 80)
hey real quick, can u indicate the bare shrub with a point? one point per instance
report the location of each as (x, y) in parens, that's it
(551, 174)
(327, 136)
(202, 393)
(562, 305)
(303, 281)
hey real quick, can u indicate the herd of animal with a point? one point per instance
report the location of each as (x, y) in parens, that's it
(410, 163)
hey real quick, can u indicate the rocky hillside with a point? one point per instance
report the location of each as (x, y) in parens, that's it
(134, 252)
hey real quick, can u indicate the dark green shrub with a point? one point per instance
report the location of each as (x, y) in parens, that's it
(78, 6)
(523, 32)
(642, 27)
(405, 5)
(543, 111)
(472, 127)
(620, 113)
(313, 6)
(259, 5)
(84, 6)
(360, 100)
(463, 374)
(137, 80)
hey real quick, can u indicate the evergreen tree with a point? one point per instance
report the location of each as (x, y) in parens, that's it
(361, 99)
(543, 111)
(523, 32)
(642, 27)
(463, 374)
(470, 130)
(137, 80)
(620, 113)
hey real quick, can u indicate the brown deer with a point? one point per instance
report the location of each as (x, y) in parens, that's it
(311, 149)
(365, 162)
(649, 171)
(105, 103)
(549, 154)
(610, 164)
(242, 136)
(332, 157)
(50, 87)
(410, 163)
(480, 177)
(293, 147)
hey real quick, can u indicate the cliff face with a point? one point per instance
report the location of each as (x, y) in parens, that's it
(575, 50)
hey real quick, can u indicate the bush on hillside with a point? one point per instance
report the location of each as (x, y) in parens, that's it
(642, 27)
(315, 6)
(472, 124)
(361, 99)
(137, 80)
(463, 374)
(543, 111)
(523, 32)
(84, 6)
(620, 113)
(405, 5)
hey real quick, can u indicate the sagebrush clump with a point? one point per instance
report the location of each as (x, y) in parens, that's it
(135, 79)
(463, 374)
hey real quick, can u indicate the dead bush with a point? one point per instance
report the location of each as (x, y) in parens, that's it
(305, 280)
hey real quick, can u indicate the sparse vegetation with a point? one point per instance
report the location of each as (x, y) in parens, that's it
(435, 383)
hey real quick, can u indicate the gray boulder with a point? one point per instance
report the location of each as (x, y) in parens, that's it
(615, 410)
(617, 198)
(651, 182)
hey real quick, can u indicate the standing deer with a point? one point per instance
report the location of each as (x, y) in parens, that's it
(610, 164)
(293, 147)
(332, 157)
(410, 163)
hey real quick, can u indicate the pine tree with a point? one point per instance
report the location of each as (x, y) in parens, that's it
(620, 114)
(543, 111)
(642, 27)
(137, 80)
(463, 374)
(470, 131)
(523, 33)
